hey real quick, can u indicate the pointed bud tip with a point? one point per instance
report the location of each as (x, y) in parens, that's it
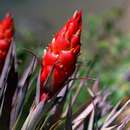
(77, 13)
(8, 14)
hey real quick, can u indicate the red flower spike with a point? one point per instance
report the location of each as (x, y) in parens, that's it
(6, 36)
(61, 53)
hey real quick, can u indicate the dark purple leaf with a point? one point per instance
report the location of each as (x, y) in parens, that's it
(21, 90)
(124, 123)
(57, 109)
(8, 83)
(68, 123)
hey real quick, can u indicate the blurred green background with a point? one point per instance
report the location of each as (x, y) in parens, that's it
(105, 36)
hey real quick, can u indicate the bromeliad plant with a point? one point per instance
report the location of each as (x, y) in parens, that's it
(6, 36)
(61, 55)
(45, 101)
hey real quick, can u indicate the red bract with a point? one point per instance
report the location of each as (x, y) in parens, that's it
(61, 53)
(6, 35)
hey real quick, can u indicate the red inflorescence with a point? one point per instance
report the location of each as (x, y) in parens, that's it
(6, 35)
(61, 53)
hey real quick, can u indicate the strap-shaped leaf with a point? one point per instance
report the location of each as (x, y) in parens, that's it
(80, 118)
(6, 68)
(37, 114)
(21, 90)
(8, 83)
(56, 110)
(30, 96)
(116, 114)
(68, 124)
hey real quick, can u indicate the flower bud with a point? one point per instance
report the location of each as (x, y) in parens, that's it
(61, 53)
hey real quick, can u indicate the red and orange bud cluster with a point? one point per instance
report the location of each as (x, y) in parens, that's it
(61, 53)
(6, 35)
